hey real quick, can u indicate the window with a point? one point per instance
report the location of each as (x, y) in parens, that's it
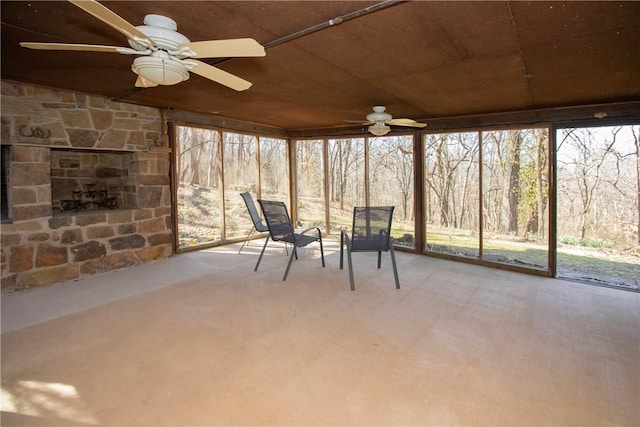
(515, 195)
(358, 172)
(598, 212)
(452, 202)
(310, 194)
(212, 169)
(240, 166)
(346, 175)
(391, 183)
(487, 196)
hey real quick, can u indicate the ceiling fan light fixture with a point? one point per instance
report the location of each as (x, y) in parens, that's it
(379, 129)
(159, 70)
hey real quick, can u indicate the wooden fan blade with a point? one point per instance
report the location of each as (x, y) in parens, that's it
(224, 48)
(110, 18)
(217, 75)
(142, 82)
(71, 46)
(406, 122)
(359, 122)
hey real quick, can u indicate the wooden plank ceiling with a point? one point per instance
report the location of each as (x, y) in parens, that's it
(423, 60)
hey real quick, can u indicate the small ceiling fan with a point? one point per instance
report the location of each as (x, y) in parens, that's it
(379, 121)
(165, 56)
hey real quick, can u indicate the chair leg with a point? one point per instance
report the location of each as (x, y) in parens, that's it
(341, 249)
(321, 252)
(293, 252)
(247, 238)
(379, 259)
(261, 253)
(395, 268)
(351, 284)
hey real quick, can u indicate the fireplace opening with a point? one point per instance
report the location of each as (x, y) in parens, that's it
(91, 180)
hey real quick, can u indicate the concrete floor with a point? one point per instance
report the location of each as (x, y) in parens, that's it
(202, 339)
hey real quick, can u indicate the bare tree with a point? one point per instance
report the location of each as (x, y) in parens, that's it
(214, 171)
(191, 140)
(345, 158)
(446, 153)
(391, 164)
(588, 158)
(273, 166)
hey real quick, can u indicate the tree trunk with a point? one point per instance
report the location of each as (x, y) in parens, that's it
(343, 175)
(195, 167)
(511, 186)
(541, 172)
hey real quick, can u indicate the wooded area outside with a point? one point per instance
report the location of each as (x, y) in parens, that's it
(387, 161)
(212, 169)
(598, 173)
(486, 193)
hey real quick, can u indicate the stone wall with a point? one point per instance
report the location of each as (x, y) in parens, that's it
(40, 246)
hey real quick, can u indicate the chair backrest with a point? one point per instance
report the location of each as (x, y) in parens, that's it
(371, 229)
(253, 212)
(277, 218)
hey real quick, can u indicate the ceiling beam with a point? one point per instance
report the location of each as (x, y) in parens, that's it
(586, 115)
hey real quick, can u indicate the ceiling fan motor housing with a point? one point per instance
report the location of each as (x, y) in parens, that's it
(378, 114)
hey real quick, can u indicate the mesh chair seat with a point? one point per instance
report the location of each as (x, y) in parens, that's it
(368, 245)
(303, 240)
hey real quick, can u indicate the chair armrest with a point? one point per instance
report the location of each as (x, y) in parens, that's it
(302, 239)
(310, 229)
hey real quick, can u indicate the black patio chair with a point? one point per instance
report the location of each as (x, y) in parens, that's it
(281, 230)
(259, 224)
(371, 232)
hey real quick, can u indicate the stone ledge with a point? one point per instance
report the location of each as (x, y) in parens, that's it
(49, 276)
(108, 263)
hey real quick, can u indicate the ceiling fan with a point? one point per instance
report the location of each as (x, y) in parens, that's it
(165, 56)
(379, 121)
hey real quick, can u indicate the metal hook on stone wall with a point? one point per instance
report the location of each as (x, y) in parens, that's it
(34, 132)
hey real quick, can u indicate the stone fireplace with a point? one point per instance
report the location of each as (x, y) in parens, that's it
(60, 144)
